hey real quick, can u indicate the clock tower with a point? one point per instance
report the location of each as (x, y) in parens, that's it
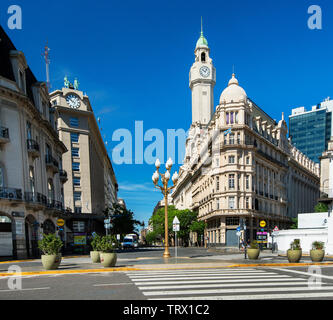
(202, 82)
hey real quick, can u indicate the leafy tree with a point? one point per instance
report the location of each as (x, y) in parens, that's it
(185, 217)
(198, 227)
(151, 237)
(122, 219)
(321, 207)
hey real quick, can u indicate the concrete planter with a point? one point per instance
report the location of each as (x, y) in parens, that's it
(108, 259)
(95, 256)
(294, 255)
(253, 254)
(317, 255)
(50, 261)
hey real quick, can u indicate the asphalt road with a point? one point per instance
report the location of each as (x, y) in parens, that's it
(200, 283)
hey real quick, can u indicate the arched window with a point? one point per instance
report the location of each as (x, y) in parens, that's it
(50, 190)
(203, 57)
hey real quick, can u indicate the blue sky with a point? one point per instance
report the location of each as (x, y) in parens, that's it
(133, 59)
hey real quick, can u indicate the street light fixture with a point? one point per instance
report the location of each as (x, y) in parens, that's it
(165, 190)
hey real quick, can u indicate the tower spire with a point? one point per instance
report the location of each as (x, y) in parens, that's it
(201, 27)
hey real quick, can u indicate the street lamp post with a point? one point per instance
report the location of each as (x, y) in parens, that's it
(165, 190)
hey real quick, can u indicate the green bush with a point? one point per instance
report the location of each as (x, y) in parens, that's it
(254, 244)
(108, 243)
(96, 243)
(295, 245)
(317, 245)
(50, 244)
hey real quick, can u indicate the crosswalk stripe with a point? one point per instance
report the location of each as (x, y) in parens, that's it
(190, 273)
(220, 281)
(211, 277)
(225, 285)
(193, 271)
(283, 296)
(221, 291)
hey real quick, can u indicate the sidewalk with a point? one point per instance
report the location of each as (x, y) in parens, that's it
(82, 264)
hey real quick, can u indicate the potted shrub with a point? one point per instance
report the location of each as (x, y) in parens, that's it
(317, 253)
(50, 245)
(107, 245)
(294, 254)
(253, 251)
(95, 253)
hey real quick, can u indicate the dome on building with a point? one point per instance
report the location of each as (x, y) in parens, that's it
(233, 93)
(202, 42)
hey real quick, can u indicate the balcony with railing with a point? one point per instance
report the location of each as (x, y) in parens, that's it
(51, 163)
(236, 142)
(33, 148)
(55, 205)
(63, 175)
(35, 198)
(4, 135)
(11, 194)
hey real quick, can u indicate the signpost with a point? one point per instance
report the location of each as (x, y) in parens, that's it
(176, 228)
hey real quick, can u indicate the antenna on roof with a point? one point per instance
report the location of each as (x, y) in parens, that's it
(46, 56)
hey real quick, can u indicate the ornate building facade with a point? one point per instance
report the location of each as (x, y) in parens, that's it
(239, 163)
(31, 178)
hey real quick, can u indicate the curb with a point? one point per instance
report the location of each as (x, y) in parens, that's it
(281, 264)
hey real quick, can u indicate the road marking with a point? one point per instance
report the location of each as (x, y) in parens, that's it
(226, 285)
(222, 291)
(283, 296)
(222, 281)
(113, 284)
(26, 289)
(195, 272)
(306, 273)
(210, 277)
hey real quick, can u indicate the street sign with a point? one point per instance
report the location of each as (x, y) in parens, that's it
(262, 223)
(238, 233)
(106, 221)
(175, 227)
(175, 220)
(238, 229)
(276, 228)
(60, 222)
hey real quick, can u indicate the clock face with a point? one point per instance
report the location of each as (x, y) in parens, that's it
(204, 71)
(73, 101)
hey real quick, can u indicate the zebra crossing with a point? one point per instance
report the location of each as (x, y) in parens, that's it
(226, 284)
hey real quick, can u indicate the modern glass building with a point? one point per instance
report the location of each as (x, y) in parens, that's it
(310, 131)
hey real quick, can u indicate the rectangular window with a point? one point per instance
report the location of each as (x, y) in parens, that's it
(231, 138)
(247, 182)
(76, 181)
(76, 166)
(74, 122)
(77, 196)
(74, 137)
(231, 159)
(231, 202)
(232, 221)
(78, 210)
(247, 160)
(231, 181)
(217, 183)
(75, 152)
(247, 204)
(78, 226)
